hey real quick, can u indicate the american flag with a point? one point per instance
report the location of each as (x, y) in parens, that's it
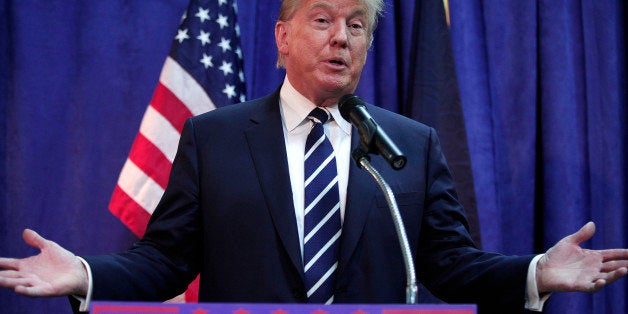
(203, 71)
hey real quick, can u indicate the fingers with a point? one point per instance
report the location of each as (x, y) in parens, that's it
(585, 233)
(8, 263)
(13, 279)
(614, 254)
(613, 265)
(9, 274)
(24, 284)
(33, 239)
(609, 277)
(616, 274)
(31, 291)
(7, 278)
(597, 285)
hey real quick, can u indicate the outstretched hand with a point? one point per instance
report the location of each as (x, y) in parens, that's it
(55, 271)
(568, 267)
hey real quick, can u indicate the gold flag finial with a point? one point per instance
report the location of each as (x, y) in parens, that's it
(446, 4)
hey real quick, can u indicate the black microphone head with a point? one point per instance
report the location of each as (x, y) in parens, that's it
(347, 103)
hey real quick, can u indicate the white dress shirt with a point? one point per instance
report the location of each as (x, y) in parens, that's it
(296, 127)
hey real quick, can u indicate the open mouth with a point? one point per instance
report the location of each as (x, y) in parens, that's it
(337, 62)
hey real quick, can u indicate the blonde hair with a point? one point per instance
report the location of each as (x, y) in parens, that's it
(374, 9)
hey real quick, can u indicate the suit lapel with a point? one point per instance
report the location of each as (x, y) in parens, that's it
(360, 193)
(268, 151)
(266, 142)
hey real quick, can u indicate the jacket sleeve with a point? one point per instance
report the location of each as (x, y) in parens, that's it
(167, 258)
(448, 262)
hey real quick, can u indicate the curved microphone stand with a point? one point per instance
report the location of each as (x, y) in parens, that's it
(362, 159)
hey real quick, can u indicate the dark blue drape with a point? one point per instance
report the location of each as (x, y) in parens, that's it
(433, 98)
(76, 77)
(543, 88)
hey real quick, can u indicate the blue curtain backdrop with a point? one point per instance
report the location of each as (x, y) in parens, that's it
(542, 89)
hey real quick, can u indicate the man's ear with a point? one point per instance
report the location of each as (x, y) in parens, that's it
(281, 37)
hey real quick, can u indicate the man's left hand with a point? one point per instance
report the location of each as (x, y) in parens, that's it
(568, 267)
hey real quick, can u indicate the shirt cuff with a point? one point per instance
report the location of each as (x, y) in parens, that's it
(85, 300)
(534, 302)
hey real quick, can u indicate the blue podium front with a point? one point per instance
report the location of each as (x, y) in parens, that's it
(99, 307)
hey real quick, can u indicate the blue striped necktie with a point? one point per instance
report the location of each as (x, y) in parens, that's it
(322, 213)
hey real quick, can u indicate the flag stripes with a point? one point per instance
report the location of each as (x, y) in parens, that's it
(189, 84)
(134, 216)
(169, 106)
(152, 159)
(161, 132)
(185, 87)
(145, 173)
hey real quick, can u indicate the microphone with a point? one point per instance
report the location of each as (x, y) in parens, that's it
(373, 139)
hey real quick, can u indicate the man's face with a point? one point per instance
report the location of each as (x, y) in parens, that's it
(324, 45)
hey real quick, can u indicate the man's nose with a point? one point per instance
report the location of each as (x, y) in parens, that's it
(339, 36)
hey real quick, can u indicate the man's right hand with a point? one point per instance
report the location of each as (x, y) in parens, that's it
(55, 271)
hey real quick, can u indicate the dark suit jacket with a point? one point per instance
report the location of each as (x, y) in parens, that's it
(228, 213)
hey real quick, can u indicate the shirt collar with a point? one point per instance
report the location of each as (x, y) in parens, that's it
(296, 107)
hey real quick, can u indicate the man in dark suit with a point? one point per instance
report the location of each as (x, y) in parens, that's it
(234, 207)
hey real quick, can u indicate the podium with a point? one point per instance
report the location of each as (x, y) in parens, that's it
(99, 307)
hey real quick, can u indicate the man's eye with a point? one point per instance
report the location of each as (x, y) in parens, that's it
(320, 20)
(356, 26)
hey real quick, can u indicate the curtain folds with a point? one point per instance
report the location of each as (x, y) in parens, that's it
(543, 87)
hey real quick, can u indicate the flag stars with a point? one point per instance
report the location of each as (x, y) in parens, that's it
(229, 91)
(225, 44)
(202, 14)
(211, 29)
(204, 38)
(182, 35)
(207, 61)
(225, 67)
(222, 21)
